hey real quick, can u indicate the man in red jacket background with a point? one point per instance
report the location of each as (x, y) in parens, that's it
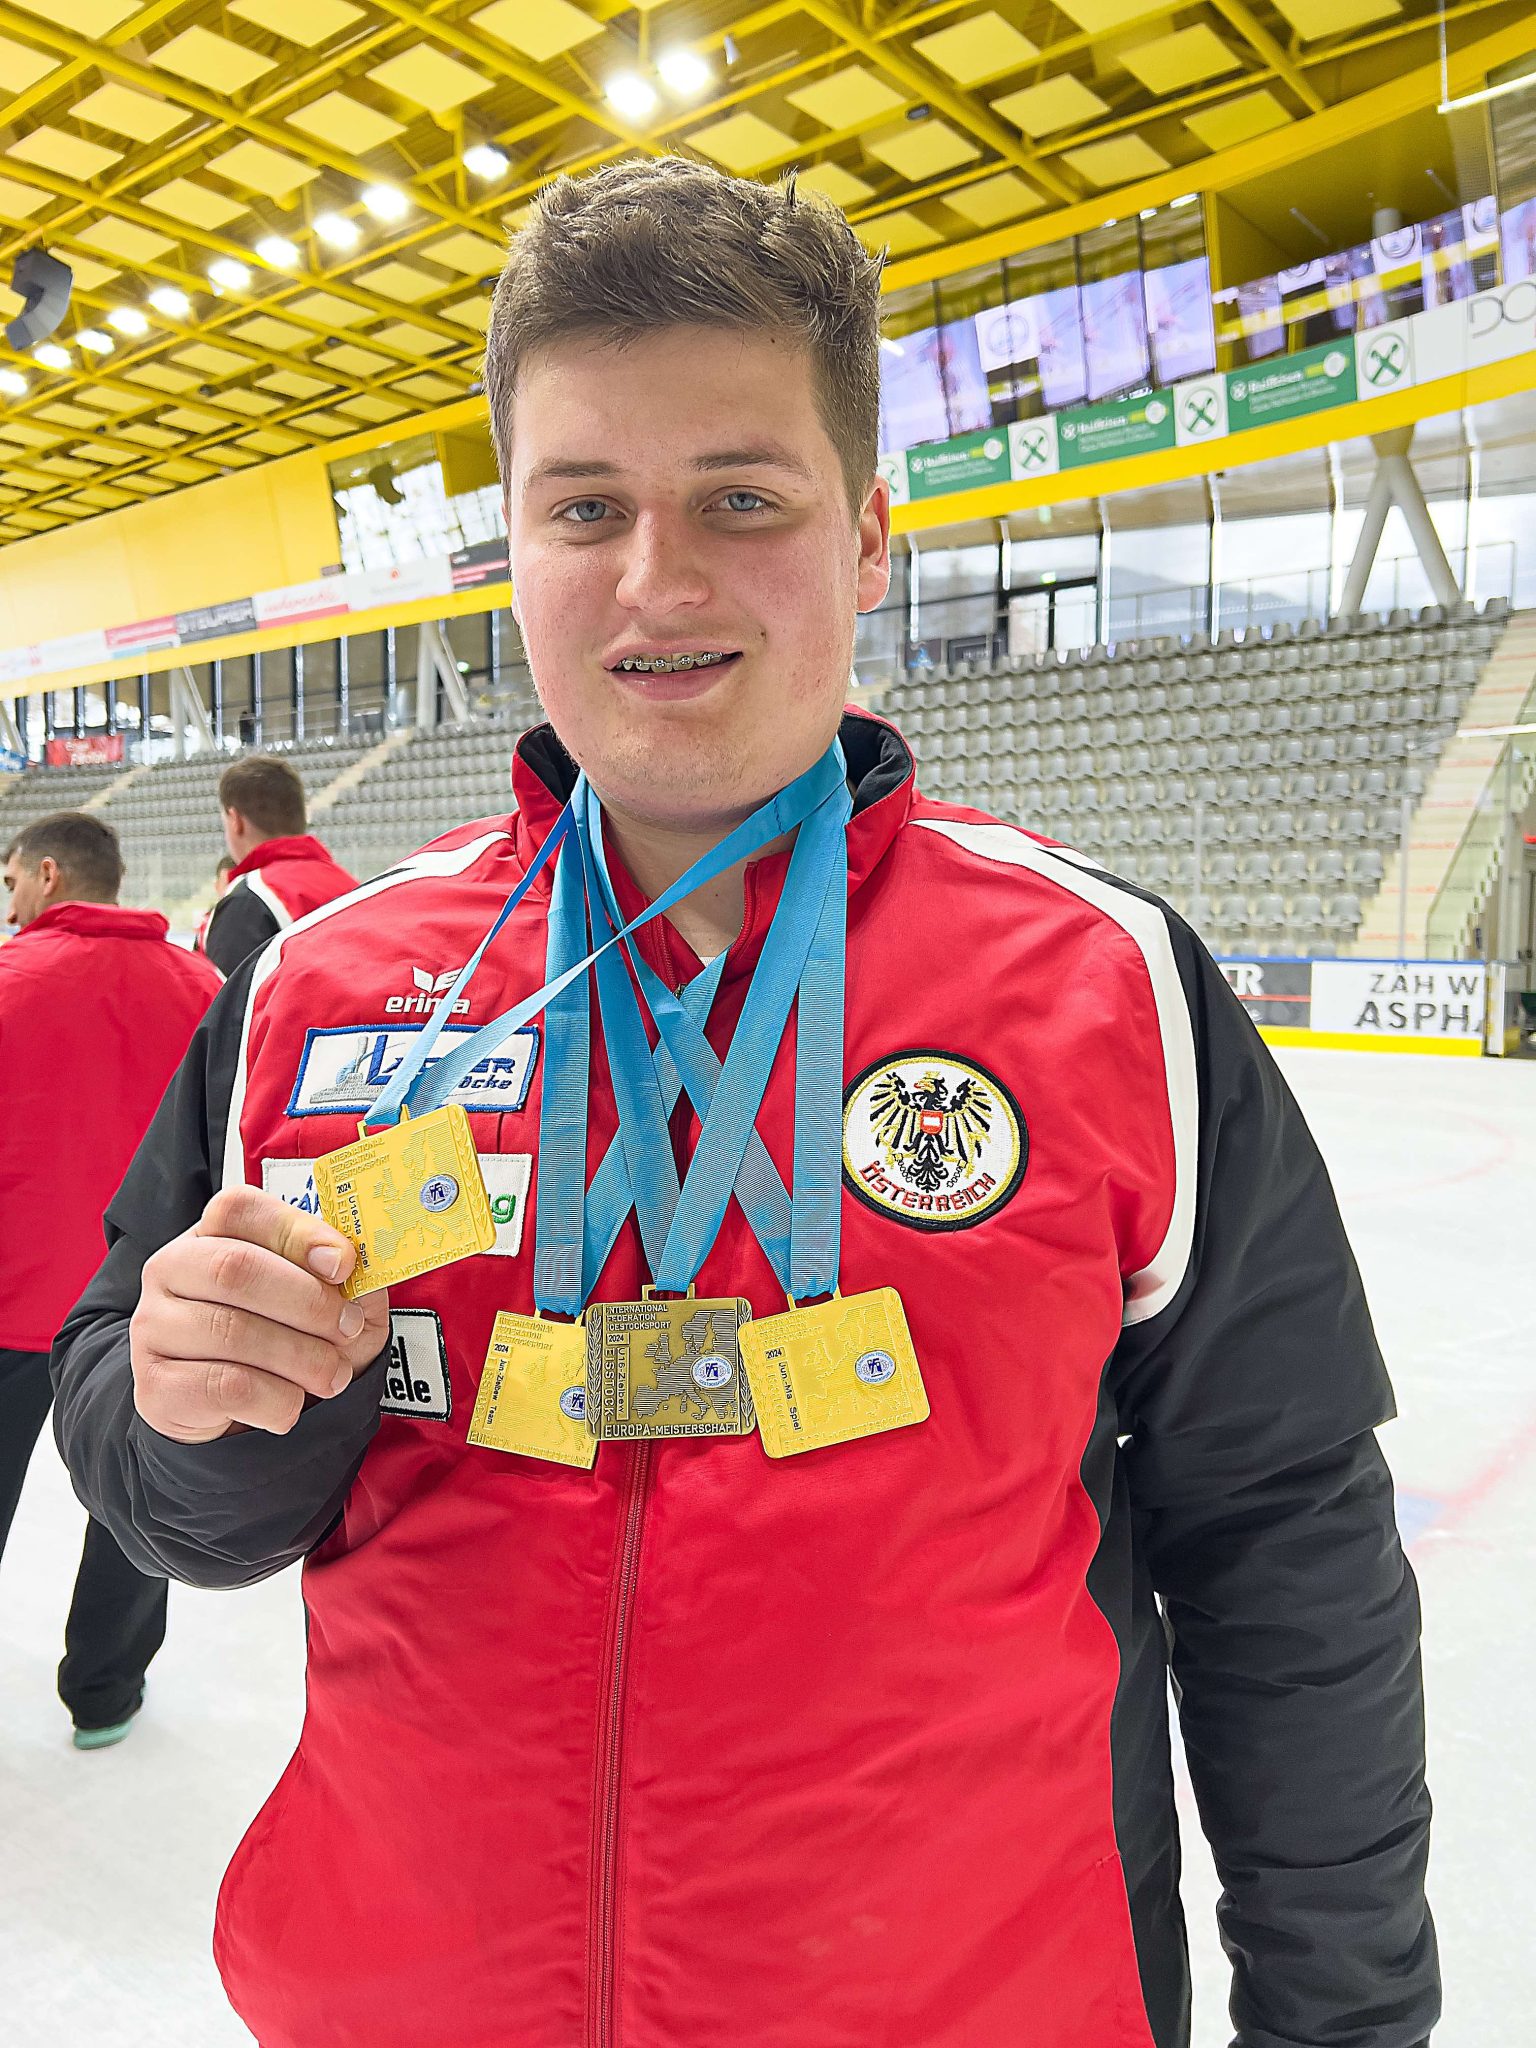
(281, 870)
(96, 1009)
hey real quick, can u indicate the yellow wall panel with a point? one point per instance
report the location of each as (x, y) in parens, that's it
(222, 539)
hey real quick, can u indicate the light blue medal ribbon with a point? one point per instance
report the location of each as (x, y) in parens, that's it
(802, 955)
(422, 1083)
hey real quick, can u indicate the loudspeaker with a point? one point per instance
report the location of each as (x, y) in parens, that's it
(44, 283)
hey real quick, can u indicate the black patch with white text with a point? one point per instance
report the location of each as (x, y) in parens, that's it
(416, 1375)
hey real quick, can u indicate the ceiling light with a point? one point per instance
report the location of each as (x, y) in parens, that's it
(98, 343)
(228, 275)
(482, 161)
(52, 357)
(278, 251)
(1147, 213)
(128, 320)
(632, 96)
(169, 300)
(683, 72)
(1489, 92)
(386, 202)
(13, 384)
(1185, 199)
(337, 232)
(892, 348)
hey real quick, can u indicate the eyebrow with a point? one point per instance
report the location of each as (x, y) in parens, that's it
(766, 455)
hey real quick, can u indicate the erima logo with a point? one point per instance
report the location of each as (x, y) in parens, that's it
(429, 988)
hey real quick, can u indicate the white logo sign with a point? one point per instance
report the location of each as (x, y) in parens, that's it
(507, 1176)
(344, 1071)
(428, 991)
(1399, 999)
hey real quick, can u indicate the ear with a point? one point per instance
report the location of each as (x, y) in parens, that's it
(875, 546)
(48, 876)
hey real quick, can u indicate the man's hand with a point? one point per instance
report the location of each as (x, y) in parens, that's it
(243, 1316)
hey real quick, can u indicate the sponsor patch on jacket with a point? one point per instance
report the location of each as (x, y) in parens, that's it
(932, 1139)
(416, 1372)
(344, 1069)
(507, 1175)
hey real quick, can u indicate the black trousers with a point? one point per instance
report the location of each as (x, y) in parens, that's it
(117, 1617)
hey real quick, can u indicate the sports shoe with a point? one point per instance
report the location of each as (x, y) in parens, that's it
(104, 1738)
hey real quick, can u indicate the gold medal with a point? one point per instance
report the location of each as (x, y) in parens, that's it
(533, 1391)
(667, 1367)
(410, 1198)
(831, 1373)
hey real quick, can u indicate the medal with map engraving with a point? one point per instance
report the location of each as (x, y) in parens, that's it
(410, 1198)
(667, 1366)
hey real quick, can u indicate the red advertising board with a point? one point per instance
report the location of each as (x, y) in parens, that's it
(83, 751)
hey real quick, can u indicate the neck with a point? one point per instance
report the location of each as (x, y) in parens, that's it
(656, 853)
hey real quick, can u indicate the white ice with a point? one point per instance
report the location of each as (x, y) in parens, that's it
(109, 1861)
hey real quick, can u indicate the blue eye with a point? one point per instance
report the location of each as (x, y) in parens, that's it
(760, 502)
(585, 504)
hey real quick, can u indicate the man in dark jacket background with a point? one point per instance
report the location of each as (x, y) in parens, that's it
(96, 1010)
(281, 870)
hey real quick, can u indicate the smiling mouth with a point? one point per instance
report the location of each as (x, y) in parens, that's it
(671, 664)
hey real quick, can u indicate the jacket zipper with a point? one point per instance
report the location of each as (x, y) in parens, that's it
(604, 1956)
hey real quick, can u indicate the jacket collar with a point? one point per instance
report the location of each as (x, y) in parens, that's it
(98, 921)
(880, 770)
(301, 846)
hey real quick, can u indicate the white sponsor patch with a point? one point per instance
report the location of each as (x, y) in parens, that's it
(343, 1070)
(507, 1175)
(416, 1373)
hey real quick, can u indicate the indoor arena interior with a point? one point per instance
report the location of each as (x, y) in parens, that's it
(1185, 703)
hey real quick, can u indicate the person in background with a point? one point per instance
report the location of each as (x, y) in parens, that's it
(280, 871)
(96, 1010)
(221, 875)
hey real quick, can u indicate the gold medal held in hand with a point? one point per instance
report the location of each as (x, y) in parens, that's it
(667, 1367)
(833, 1372)
(533, 1392)
(410, 1198)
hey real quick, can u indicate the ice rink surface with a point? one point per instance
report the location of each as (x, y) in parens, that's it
(109, 1862)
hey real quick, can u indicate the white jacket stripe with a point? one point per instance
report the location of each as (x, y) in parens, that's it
(453, 860)
(1155, 1285)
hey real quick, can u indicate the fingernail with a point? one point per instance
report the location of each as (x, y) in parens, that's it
(351, 1319)
(325, 1260)
(343, 1379)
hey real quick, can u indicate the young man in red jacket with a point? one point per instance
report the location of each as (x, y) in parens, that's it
(96, 1011)
(280, 872)
(619, 1731)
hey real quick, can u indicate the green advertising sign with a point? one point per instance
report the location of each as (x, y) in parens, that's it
(1100, 433)
(959, 465)
(1290, 386)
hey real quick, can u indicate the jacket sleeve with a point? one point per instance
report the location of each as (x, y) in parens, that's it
(225, 1513)
(1265, 1510)
(240, 924)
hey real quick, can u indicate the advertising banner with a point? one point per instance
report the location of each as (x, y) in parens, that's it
(1400, 999)
(1272, 991)
(1291, 386)
(209, 621)
(958, 465)
(1100, 433)
(1032, 447)
(83, 751)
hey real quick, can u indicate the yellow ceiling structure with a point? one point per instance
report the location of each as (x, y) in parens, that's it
(327, 162)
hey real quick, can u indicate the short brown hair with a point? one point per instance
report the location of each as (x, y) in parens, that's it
(267, 792)
(644, 245)
(85, 848)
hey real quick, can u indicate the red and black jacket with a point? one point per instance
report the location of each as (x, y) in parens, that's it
(871, 1749)
(97, 1008)
(277, 882)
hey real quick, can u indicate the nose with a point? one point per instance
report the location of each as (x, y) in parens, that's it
(661, 572)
